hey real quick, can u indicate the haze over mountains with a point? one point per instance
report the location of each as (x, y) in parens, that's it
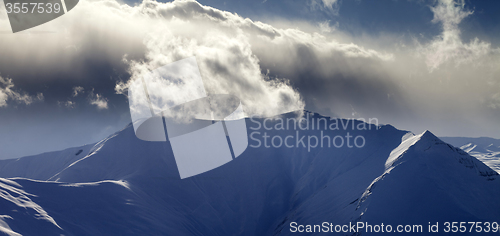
(125, 186)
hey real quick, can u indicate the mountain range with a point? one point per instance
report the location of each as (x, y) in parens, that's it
(125, 186)
(484, 149)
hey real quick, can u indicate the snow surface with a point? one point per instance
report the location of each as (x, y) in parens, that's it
(485, 149)
(125, 186)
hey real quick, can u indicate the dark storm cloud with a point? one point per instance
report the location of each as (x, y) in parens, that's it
(334, 82)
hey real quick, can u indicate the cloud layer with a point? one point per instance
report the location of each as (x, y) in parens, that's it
(439, 84)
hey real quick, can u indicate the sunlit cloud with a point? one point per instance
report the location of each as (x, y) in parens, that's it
(271, 69)
(8, 92)
(98, 100)
(448, 47)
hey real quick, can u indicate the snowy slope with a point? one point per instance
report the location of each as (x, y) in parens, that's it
(42, 166)
(424, 179)
(432, 182)
(20, 213)
(485, 149)
(44, 208)
(125, 186)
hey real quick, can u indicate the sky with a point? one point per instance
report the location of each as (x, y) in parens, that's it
(415, 64)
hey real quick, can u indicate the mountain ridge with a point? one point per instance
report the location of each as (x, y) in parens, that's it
(124, 179)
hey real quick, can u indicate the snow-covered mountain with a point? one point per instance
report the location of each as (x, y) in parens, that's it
(125, 186)
(485, 149)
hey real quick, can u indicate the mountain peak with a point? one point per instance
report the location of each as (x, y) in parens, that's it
(427, 140)
(428, 134)
(426, 148)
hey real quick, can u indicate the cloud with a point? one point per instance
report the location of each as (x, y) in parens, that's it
(156, 34)
(77, 48)
(271, 69)
(98, 100)
(330, 3)
(406, 83)
(328, 6)
(68, 104)
(494, 101)
(325, 27)
(7, 92)
(448, 47)
(77, 90)
(219, 41)
(233, 53)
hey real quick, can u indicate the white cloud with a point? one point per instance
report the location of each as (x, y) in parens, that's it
(330, 3)
(448, 47)
(98, 100)
(325, 26)
(7, 92)
(40, 97)
(231, 52)
(77, 90)
(219, 40)
(3, 99)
